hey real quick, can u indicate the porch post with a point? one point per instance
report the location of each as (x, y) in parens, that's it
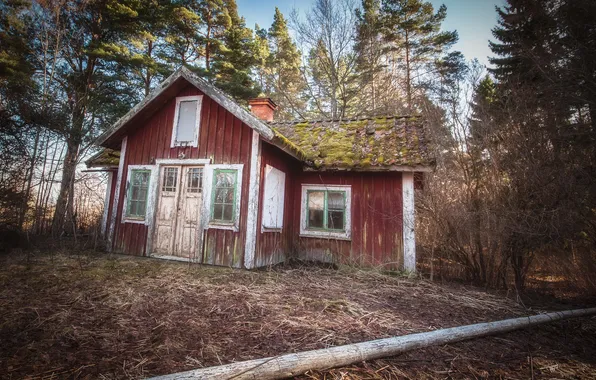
(114, 215)
(253, 201)
(409, 237)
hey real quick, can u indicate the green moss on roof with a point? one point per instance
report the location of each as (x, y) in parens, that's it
(105, 158)
(361, 143)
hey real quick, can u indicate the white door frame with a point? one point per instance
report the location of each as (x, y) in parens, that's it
(151, 227)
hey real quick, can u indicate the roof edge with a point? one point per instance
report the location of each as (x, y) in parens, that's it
(208, 89)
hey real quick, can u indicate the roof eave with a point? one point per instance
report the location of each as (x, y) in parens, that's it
(388, 168)
(208, 89)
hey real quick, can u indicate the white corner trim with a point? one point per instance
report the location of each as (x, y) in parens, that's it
(208, 195)
(253, 201)
(106, 204)
(195, 142)
(343, 235)
(151, 190)
(409, 237)
(117, 194)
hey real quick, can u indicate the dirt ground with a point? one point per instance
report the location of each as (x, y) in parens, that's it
(98, 316)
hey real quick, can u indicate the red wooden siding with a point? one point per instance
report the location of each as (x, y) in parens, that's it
(223, 138)
(376, 220)
(274, 247)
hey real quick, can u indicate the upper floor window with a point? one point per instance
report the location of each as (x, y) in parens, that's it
(187, 120)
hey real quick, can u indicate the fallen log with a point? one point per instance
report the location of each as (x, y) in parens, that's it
(289, 365)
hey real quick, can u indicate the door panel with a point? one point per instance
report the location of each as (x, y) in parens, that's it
(165, 223)
(179, 211)
(189, 211)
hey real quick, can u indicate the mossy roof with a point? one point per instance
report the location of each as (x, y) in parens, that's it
(358, 143)
(104, 158)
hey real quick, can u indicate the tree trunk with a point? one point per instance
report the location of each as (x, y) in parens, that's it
(295, 364)
(408, 78)
(68, 172)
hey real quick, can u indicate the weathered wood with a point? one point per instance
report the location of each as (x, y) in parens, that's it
(295, 364)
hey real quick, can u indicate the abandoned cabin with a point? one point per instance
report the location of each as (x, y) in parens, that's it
(193, 176)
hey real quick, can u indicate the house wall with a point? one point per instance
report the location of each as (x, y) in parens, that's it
(274, 246)
(376, 237)
(222, 138)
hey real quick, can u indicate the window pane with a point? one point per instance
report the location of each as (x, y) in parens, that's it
(187, 119)
(316, 200)
(335, 200)
(222, 195)
(228, 213)
(217, 211)
(315, 218)
(224, 179)
(335, 220)
(170, 179)
(195, 180)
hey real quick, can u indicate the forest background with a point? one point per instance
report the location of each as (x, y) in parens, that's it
(512, 200)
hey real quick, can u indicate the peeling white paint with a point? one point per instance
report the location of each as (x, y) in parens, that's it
(253, 201)
(207, 195)
(409, 237)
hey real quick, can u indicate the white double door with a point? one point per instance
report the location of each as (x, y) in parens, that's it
(178, 211)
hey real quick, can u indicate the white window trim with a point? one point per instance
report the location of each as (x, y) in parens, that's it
(151, 190)
(207, 196)
(195, 142)
(265, 228)
(345, 235)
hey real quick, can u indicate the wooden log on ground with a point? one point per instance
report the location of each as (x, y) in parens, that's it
(289, 365)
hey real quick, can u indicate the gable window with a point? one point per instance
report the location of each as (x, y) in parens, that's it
(326, 211)
(273, 198)
(224, 196)
(138, 191)
(187, 120)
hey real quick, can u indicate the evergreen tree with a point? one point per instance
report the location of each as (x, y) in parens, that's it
(235, 57)
(413, 29)
(370, 50)
(285, 84)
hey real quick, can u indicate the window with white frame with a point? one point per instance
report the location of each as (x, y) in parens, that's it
(273, 198)
(137, 194)
(223, 208)
(187, 120)
(326, 211)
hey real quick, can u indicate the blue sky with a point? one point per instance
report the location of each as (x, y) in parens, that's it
(473, 20)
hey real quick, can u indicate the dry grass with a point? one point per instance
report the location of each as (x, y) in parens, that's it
(99, 316)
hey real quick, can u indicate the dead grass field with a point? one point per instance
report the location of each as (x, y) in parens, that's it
(97, 316)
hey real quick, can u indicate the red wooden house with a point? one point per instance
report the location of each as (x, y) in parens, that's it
(194, 176)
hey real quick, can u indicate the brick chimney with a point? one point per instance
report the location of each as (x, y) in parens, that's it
(262, 108)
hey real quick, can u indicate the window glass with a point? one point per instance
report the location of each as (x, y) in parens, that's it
(335, 210)
(137, 197)
(187, 121)
(326, 210)
(316, 209)
(224, 195)
(194, 182)
(170, 179)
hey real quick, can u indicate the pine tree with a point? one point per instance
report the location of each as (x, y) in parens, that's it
(413, 29)
(235, 57)
(285, 84)
(370, 49)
